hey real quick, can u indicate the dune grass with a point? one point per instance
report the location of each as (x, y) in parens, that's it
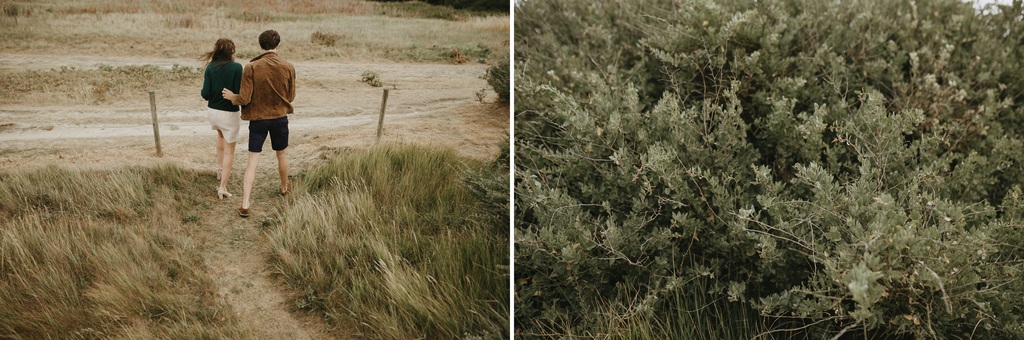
(100, 254)
(392, 238)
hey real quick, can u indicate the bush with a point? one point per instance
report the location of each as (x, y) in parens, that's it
(847, 168)
(497, 78)
(372, 78)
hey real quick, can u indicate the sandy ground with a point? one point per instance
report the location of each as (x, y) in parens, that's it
(428, 104)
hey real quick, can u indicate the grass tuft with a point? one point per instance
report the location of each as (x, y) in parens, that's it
(100, 254)
(392, 237)
(324, 38)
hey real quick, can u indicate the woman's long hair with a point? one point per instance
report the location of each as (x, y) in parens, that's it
(223, 51)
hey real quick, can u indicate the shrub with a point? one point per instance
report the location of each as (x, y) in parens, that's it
(456, 56)
(324, 38)
(497, 77)
(372, 78)
(847, 168)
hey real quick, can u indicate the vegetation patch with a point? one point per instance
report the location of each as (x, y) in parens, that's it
(102, 84)
(100, 254)
(497, 77)
(371, 78)
(824, 169)
(395, 237)
(324, 38)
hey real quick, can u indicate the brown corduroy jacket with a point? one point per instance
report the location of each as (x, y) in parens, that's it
(268, 88)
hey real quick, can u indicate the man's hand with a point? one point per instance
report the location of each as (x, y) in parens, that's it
(228, 94)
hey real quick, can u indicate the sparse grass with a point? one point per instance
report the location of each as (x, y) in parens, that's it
(370, 30)
(100, 85)
(393, 238)
(104, 254)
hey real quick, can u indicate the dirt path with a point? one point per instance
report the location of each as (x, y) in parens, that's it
(233, 250)
(429, 104)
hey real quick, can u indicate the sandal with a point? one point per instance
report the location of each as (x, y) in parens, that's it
(222, 193)
(243, 212)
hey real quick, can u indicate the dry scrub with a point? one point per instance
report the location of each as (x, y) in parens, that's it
(189, 27)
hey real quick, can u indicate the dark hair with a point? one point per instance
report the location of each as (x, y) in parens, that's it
(223, 50)
(269, 39)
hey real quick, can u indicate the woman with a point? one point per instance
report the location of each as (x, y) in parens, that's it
(222, 72)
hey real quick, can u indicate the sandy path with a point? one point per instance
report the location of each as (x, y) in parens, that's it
(233, 253)
(428, 104)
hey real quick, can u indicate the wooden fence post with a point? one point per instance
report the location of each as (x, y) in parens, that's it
(380, 122)
(156, 126)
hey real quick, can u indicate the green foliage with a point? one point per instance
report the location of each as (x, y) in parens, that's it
(850, 167)
(497, 77)
(393, 238)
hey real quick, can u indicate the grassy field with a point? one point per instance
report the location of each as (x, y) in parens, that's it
(103, 254)
(310, 30)
(394, 238)
(390, 239)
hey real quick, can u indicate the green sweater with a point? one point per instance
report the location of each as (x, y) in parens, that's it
(214, 80)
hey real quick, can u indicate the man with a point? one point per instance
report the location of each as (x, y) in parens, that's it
(266, 95)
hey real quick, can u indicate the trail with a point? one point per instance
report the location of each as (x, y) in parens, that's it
(234, 251)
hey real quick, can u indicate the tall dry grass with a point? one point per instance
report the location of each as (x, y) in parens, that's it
(414, 32)
(393, 238)
(101, 254)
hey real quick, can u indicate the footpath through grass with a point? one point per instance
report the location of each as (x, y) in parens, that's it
(404, 241)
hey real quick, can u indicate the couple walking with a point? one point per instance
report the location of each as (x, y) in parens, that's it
(264, 89)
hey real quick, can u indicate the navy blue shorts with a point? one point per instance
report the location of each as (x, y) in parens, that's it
(277, 128)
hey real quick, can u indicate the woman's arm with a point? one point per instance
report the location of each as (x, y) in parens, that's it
(244, 91)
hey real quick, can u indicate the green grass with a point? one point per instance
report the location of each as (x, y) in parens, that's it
(99, 254)
(393, 238)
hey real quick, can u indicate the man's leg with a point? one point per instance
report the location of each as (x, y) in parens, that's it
(250, 177)
(279, 142)
(282, 170)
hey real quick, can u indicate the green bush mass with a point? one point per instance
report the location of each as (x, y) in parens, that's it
(839, 167)
(497, 78)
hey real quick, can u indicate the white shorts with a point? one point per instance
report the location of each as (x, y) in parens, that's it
(227, 122)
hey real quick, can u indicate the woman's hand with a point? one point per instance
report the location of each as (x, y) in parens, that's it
(228, 94)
